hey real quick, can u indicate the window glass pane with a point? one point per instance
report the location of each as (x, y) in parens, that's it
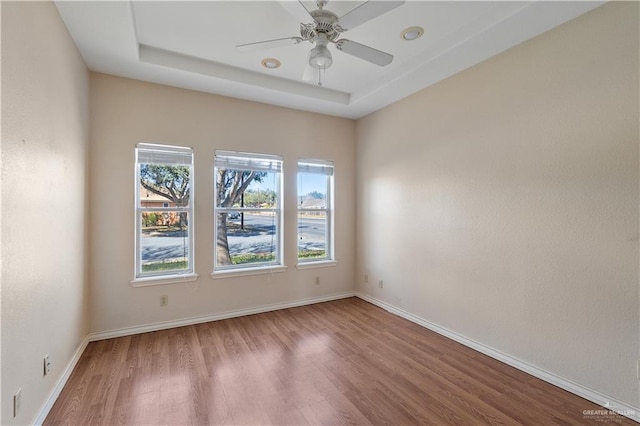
(260, 192)
(312, 191)
(164, 242)
(247, 209)
(312, 235)
(250, 237)
(160, 184)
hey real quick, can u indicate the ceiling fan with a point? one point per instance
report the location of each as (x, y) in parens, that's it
(326, 28)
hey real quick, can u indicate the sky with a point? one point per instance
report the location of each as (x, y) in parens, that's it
(308, 183)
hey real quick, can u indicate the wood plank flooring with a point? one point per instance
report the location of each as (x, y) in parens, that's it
(341, 362)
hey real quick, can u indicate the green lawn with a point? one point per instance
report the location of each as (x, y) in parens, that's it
(240, 259)
(312, 254)
(165, 266)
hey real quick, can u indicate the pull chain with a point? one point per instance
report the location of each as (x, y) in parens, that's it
(320, 76)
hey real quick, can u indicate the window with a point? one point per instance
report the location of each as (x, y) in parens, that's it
(315, 211)
(164, 211)
(248, 211)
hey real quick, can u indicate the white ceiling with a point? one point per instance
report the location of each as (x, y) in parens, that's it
(192, 45)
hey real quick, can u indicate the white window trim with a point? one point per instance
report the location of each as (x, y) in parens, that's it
(243, 272)
(234, 161)
(317, 264)
(330, 258)
(164, 277)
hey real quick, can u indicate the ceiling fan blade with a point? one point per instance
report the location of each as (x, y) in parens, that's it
(297, 10)
(367, 53)
(267, 44)
(366, 12)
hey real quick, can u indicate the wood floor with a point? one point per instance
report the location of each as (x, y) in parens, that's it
(341, 362)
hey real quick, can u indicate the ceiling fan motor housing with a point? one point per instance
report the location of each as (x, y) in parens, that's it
(326, 22)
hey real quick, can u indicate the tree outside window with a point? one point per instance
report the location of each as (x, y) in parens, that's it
(247, 210)
(164, 237)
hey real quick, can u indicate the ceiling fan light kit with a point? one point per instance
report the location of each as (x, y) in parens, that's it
(327, 28)
(319, 56)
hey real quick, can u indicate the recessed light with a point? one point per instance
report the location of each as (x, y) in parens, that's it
(412, 33)
(271, 63)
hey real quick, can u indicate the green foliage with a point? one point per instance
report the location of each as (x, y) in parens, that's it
(239, 259)
(151, 219)
(261, 198)
(171, 182)
(164, 175)
(175, 265)
(317, 195)
(311, 254)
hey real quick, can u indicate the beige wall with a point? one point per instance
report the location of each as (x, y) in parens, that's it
(125, 112)
(502, 203)
(45, 95)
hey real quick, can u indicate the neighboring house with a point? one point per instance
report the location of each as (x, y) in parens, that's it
(151, 199)
(313, 203)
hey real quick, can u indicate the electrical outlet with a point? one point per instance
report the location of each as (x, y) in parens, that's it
(380, 284)
(366, 278)
(46, 365)
(317, 281)
(164, 300)
(17, 403)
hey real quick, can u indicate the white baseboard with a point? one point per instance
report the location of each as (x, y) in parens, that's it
(592, 395)
(55, 392)
(127, 331)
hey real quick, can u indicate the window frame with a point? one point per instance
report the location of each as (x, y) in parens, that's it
(326, 168)
(245, 161)
(163, 277)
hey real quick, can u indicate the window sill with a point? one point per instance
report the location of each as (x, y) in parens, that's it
(318, 264)
(241, 272)
(164, 279)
